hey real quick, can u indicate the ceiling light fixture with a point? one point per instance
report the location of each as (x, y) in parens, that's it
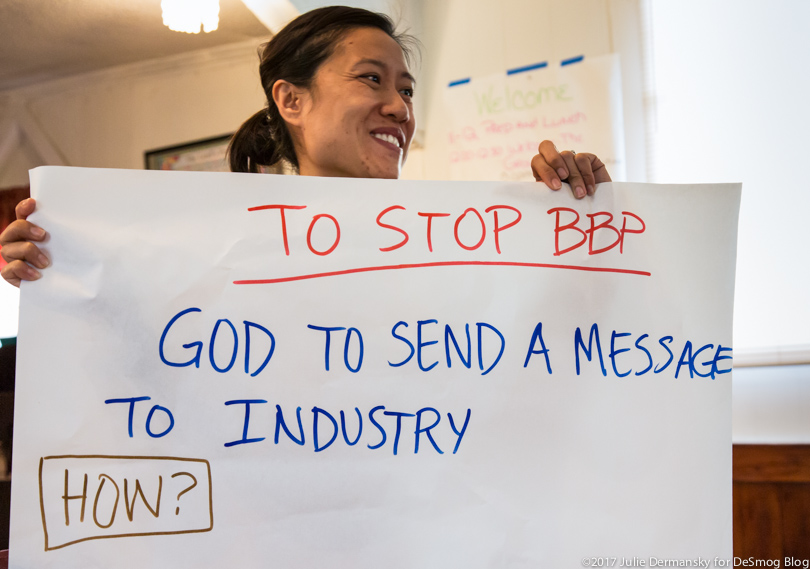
(189, 15)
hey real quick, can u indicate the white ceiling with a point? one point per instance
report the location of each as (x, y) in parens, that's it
(47, 39)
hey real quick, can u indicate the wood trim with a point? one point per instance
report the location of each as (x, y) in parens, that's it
(771, 463)
(758, 528)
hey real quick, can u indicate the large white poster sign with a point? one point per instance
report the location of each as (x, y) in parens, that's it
(252, 370)
(494, 122)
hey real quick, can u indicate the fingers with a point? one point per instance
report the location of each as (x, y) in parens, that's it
(17, 243)
(553, 158)
(591, 170)
(25, 208)
(18, 247)
(21, 230)
(548, 166)
(583, 162)
(582, 170)
(544, 173)
(24, 251)
(18, 271)
(575, 177)
(600, 172)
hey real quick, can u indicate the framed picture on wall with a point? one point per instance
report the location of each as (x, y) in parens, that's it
(207, 155)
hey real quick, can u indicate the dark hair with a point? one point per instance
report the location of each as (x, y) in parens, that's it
(295, 54)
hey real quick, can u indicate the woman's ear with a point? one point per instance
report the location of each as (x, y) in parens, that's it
(290, 101)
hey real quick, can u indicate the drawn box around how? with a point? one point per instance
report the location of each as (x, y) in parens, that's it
(84, 497)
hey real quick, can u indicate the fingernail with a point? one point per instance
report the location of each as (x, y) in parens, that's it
(563, 174)
(43, 261)
(33, 274)
(38, 231)
(556, 184)
(580, 192)
(591, 190)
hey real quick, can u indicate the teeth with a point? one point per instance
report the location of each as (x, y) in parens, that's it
(387, 138)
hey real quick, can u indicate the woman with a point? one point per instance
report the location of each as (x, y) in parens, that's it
(339, 103)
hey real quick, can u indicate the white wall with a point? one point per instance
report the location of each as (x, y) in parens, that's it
(109, 118)
(732, 106)
(475, 38)
(769, 405)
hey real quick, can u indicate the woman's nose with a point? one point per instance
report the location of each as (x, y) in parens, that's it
(395, 106)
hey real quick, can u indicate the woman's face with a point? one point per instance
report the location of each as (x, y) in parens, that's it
(357, 119)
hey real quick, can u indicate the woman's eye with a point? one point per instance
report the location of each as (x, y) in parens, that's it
(407, 92)
(372, 77)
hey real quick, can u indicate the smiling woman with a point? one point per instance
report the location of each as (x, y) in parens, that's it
(339, 103)
(339, 98)
(357, 120)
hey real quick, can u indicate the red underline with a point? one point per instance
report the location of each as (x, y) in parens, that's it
(442, 264)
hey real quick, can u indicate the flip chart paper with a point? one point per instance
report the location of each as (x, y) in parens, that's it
(494, 123)
(482, 402)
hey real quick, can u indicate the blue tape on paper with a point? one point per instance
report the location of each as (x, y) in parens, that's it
(571, 60)
(527, 68)
(516, 70)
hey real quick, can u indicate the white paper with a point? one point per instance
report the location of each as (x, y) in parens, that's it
(551, 468)
(495, 122)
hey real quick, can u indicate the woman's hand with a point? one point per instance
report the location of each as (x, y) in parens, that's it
(19, 248)
(581, 170)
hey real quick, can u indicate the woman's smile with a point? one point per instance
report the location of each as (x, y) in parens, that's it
(390, 138)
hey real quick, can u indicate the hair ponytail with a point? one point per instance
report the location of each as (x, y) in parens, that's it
(252, 145)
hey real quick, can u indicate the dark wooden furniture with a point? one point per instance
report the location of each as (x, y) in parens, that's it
(772, 502)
